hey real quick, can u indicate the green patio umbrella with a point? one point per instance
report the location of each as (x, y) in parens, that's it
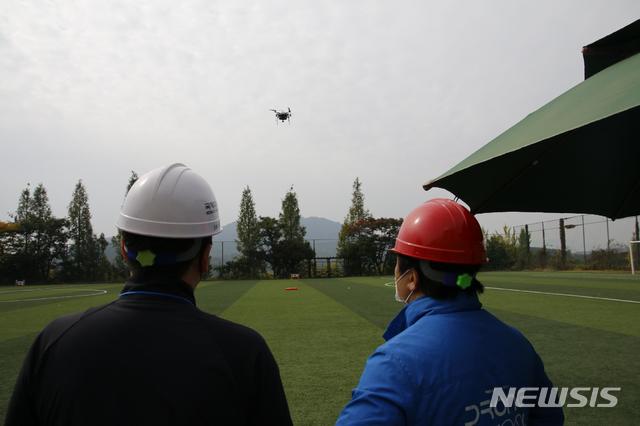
(580, 153)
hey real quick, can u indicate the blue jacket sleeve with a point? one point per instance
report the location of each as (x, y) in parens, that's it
(544, 416)
(383, 395)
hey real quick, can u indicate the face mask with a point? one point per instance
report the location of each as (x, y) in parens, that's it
(397, 297)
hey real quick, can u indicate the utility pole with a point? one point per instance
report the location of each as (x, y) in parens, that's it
(544, 248)
(315, 255)
(637, 238)
(563, 244)
(584, 243)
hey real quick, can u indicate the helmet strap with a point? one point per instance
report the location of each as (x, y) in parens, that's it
(449, 279)
(150, 258)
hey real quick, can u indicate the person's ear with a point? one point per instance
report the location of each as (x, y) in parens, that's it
(204, 259)
(412, 285)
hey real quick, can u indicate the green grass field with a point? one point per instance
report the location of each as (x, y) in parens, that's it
(322, 334)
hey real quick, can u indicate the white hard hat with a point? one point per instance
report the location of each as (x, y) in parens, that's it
(170, 202)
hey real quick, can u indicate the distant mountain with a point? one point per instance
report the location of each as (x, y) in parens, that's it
(229, 232)
(319, 227)
(323, 231)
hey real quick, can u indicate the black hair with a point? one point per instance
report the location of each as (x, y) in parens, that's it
(435, 289)
(158, 245)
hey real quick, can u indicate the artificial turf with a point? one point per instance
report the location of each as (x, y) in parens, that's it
(322, 333)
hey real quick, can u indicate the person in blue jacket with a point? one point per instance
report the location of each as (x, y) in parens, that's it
(444, 355)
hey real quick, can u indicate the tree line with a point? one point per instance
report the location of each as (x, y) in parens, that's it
(508, 250)
(45, 248)
(277, 247)
(266, 244)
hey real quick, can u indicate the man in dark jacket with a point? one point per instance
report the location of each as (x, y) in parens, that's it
(151, 357)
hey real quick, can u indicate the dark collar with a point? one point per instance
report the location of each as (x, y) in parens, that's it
(170, 289)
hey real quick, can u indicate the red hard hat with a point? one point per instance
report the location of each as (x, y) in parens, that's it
(441, 230)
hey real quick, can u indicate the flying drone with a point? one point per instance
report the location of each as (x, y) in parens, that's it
(282, 115)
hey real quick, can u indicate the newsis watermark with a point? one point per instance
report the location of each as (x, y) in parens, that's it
(554, 397)
(507, 406)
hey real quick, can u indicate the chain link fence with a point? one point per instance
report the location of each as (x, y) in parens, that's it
(225, 251)
(325, 262)
(581, 241)
(587, 241)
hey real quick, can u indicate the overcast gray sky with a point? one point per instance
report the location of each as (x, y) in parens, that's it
(394, 92)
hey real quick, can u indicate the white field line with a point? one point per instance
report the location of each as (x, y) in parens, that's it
(40, 287)
(391, 284)
(34, 299)
(26, 289)
(564, 294)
